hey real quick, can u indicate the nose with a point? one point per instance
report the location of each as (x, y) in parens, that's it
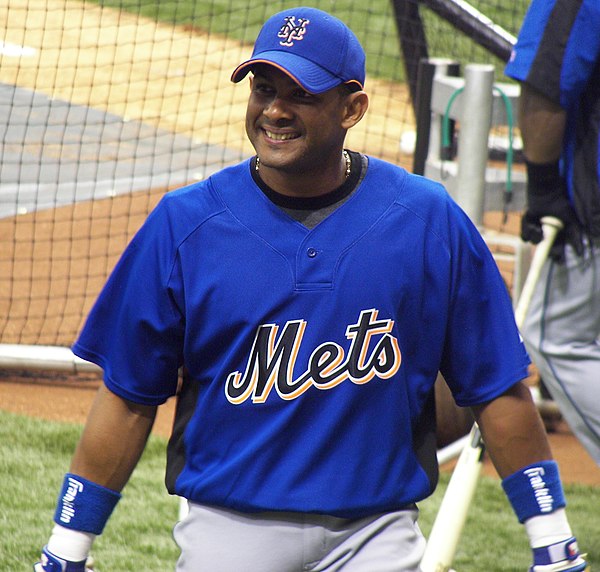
(277, 109)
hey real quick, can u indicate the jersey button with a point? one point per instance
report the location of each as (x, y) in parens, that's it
(311, 252)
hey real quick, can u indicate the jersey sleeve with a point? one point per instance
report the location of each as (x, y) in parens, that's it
(484, 354)
(557, 48)
(135, 329)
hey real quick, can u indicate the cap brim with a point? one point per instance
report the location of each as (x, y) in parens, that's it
(312, 77)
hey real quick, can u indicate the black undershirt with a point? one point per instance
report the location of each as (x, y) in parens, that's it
(310, 211)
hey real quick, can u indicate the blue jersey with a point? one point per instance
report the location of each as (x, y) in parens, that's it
(558, 54)
(310, 356)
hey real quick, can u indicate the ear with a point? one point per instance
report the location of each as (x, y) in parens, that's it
(356, 105)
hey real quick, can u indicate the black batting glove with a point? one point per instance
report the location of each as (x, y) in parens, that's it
(547, 196)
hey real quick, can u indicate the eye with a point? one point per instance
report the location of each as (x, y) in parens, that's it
(262, 87)
(303, 95)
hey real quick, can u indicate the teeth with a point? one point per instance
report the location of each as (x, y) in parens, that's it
(280, 136)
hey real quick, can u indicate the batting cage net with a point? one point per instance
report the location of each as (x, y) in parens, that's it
(106, 106)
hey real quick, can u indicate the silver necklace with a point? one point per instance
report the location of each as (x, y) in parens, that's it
(345, 154)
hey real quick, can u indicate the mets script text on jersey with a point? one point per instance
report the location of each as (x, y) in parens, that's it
(272, 361)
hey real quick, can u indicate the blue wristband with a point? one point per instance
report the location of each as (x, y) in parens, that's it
(535, 490)
(84, 505)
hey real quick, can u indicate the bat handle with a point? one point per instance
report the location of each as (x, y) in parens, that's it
(551, 226)
(452, 514)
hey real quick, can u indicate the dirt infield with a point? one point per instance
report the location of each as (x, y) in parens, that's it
(60, 398)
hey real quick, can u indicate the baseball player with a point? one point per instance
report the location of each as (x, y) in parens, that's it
(310, 294)
(557, 61)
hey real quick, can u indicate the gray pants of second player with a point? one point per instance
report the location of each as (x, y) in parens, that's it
(217, 540)
(562, 335)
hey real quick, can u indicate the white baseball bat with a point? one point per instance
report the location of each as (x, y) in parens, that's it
(551, 227)
(450, 519)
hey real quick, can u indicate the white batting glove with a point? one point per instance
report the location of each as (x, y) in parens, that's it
(51, 563)
(560, 557)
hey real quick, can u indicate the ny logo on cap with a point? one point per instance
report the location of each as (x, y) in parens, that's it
(291, 31)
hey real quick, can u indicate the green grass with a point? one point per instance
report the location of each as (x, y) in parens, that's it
(34, 456)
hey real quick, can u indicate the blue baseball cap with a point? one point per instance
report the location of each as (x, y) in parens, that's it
(317, 50)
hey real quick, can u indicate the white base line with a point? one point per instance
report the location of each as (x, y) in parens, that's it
(16, 51)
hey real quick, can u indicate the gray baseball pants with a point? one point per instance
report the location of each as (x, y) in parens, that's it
(562, 336)
(217, 540)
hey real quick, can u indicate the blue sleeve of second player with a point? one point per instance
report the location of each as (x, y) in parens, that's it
(570, 49)
(530, 36)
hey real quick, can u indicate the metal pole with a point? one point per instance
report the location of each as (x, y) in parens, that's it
(51, 358)
(413, 42)
(475, 25)
(475, 122)
(428, 69)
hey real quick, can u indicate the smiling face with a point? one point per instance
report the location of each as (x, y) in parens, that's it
(299, 136)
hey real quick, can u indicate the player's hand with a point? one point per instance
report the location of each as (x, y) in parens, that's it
(547, 196)
(51, 563)
(560, 557)
(571, 233)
